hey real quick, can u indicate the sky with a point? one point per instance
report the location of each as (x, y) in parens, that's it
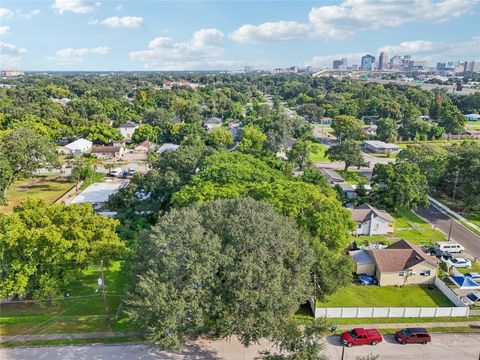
(127, 35)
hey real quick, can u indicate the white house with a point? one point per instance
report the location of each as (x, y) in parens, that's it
(472, 117)
(371, 221)
(128, 129)
(380, 147)
(77, 147)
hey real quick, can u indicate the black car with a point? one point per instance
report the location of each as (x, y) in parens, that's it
(439, 253)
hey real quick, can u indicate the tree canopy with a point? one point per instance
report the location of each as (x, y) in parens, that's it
(235, 267)
(44, 247)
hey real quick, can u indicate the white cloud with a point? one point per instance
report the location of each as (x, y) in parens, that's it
(116, 22)
(29, 14)
(11, 49)
(75, 6)
(205, 45)
(4, 30)
(4, 12)
(352, 16)
(119, 7)
(76, 55)
(271, 32)
(412, 47)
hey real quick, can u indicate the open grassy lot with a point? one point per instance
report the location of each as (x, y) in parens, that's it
(354, 177)
(82, 311)
(317, 153)
(384, 296)
(48, 188)
(408, 226)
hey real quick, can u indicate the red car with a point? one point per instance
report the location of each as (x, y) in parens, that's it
(361, 336)
(413, 335)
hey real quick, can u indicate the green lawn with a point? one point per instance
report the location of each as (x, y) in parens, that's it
(97, 177)
(354, 177)
(384, 296)
(408, 226)
(317, 153)
(82, 311)
(41, 187)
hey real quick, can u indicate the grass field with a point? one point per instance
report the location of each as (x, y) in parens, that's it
(353, 177)
(384, 296)
(317, 153)
(45, 188)
(408, 226)
(82, 311)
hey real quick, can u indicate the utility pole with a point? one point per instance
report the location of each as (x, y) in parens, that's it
(454, 195)
(104, 292)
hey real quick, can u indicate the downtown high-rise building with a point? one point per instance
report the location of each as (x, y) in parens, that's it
(368, 62)
(383, 61)
(340, 64)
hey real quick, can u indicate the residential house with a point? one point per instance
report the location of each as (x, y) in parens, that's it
(144, 147)
(167, 147)
(371, 221)
(335, 179)
(77, 147)
(399, 264)
(128, 129)
(380, 147)
(108, 152)
(212, 123)
(370, 130)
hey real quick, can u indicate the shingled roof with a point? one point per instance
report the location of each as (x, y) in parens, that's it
(362, 213)
(400, 256)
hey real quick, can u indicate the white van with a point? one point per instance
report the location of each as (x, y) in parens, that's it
(449, 246)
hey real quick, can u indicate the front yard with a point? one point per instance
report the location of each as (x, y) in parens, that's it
(317, 153)
(81, 311)
(385, 296)
(47, 188)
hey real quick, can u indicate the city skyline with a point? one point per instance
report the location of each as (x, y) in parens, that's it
(214, 35)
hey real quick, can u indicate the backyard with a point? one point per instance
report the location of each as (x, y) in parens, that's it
(408, 226)
(385, 296)
(82, 309)
(48, 188)
(317, 153)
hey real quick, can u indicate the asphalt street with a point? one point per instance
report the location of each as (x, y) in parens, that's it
(459, 233)
(443, 346)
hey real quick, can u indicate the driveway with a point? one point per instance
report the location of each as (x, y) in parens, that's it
(460, 233)
(443, 346)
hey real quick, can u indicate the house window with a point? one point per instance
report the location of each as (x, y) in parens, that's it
(401, 273)
(425, 273)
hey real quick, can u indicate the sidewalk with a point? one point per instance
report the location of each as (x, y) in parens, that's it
(413, 325)
(89, 335)
(457, 217)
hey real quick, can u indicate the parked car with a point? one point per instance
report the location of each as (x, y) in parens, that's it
(115, 172)
(361, 336)
(459, 263)
(439, 253)
(132, 171)
(449, 246)
(413, 336)
(472, 299)
(473, 275)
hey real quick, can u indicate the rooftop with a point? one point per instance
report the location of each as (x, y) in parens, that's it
(106, 149)
(400, 256)
(99, 192)
(79, 144)
(167, 146)
(129, 124)
(382, 145)
(332, 175)
(363, 212)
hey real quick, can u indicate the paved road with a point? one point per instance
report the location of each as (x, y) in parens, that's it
(459, 233)
(443, 346)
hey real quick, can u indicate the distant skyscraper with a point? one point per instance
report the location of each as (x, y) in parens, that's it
(368, 62)
(383, 61)
(340, 64)
(472, 66)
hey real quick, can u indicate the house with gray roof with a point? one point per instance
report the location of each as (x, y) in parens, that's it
(372, 221)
